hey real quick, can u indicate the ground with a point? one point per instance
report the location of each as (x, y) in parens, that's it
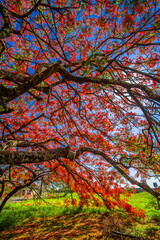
(78, 226)
(29, 220)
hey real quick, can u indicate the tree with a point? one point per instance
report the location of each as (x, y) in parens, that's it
(79, 95)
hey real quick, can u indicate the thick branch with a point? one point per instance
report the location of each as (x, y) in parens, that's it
(70, 77)
(8, 94)
(13, 77)
(12, 93)
(19, 157)
(6, 29)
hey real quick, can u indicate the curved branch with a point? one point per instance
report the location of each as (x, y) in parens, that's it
(27, 13)
(8, 94)
(6, 29)
(15, 190)
(19, 157)
(115, 165)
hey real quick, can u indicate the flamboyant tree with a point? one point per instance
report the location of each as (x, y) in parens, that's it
(79, 96)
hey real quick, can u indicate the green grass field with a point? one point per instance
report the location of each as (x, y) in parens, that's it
(15, 212)
(40, 214)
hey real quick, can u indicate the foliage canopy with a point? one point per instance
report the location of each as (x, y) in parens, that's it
(79, 95)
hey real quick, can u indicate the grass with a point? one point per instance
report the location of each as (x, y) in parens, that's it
(148, 203)
(55, 220)
(14, 213)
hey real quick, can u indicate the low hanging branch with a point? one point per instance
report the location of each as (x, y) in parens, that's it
(17, 189)
(19, 157)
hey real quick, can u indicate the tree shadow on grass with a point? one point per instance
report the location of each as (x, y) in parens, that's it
(78, 226)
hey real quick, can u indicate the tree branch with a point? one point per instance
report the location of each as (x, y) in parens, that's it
(115, 165)
(6, 29)
(8, 94)
(19, 157)
(27, 13)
